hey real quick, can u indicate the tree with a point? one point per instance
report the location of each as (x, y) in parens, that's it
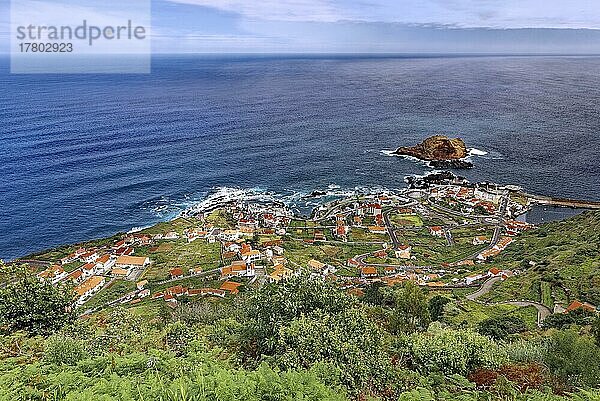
(306, 321)
(348, 340)
(410, 310)
(270, 308)
(500, 327)
(436, 307)
(373, 294)
(33, 305)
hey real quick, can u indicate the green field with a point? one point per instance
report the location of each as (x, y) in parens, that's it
(363, 235)
(430, 250)
(468, 313)
(300, 253)
(113, 291)
(182, 254)
(410, 220)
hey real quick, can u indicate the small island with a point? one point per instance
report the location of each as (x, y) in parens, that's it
(440, 151)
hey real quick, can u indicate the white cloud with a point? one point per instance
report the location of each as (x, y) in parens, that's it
(278, 10)
(460, 13)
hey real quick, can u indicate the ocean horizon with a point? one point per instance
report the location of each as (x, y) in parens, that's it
(87, 156)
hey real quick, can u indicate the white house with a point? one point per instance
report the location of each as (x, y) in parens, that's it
(403, 252)
(436, 231)
(88, 288)
(252, 256)
(473, 278)
(132, 262)
(54, 273)
(104, 263)
(89, 257)
(88, 270)
(320, 267)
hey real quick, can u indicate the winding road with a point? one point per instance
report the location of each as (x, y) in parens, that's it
(484, 289)
(542, 310)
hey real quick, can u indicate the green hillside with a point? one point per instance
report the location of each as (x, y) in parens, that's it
(559, 261)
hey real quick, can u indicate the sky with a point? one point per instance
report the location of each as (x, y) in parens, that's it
(355, 26)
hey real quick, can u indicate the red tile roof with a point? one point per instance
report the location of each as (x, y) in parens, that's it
(230, 286)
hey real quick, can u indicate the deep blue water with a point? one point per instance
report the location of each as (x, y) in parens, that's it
(540, 214)
(85, 156)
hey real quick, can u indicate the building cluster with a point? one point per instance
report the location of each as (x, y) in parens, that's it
(240, 258)
(98, 265)
(516, 227)
(392, 275)
(171, 294)
(468, 200)
(493, 272)
(243, 257)
(495, 250)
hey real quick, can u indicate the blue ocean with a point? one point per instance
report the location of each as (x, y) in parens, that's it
(86, 156)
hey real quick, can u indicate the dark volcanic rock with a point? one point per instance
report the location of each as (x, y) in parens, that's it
(315, 194)
(436, 148)
(439, 178)
(456, 164)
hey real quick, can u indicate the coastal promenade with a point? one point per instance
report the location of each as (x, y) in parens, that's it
(574, 203)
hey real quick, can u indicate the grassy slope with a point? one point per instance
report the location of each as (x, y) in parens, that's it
(566, 262)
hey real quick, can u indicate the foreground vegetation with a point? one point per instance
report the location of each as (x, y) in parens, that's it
(302, 339)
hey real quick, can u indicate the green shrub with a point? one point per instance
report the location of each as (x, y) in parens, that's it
(574, 359)
(453, 351)
(500, 327)
(62, 350)
(527, 351)
(436, 307)
(177, 337)
(564, 320)
(198, 377)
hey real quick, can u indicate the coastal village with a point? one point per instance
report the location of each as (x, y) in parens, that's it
(442, 237)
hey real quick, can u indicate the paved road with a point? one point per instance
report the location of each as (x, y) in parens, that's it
(390, 230)
(334, 210)
(361, 260)
(543, 310)
(484, 289)
(448, 235)
(342, 242)
(500, 215)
